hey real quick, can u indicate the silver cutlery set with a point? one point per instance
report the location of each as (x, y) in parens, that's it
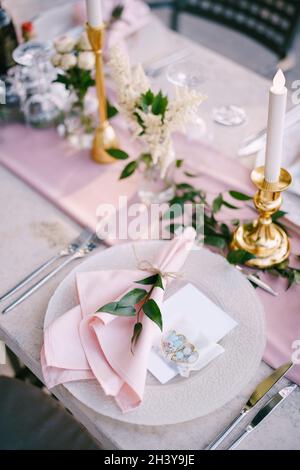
(82, 245)
(259, 393)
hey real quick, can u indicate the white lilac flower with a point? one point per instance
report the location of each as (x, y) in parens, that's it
(183, 108)
(156, 135)
(122, 76)
(68, 61)
(64, 44)
(86, 60)
(139, 80)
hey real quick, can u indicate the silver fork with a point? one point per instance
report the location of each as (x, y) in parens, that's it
(83, 250)
(69, 250)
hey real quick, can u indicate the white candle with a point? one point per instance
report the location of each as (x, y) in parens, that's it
(94, 13)
(277, 108)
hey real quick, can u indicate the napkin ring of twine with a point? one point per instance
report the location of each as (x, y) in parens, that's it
(145, 265)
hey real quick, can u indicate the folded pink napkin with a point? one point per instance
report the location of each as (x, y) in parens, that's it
(135, 15)
(82, 344)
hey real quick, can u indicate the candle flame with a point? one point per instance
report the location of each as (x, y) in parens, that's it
(279, 80)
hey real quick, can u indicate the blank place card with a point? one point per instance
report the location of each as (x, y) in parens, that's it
(191, 313)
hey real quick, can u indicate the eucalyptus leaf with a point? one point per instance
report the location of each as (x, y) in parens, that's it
(117, 153)
(115, 309)
(151, 309)
(278, 215)
(283, 265)
(297, 276)
(230, 206)
(239, 256)
(291, 278)
(215, 240)
(184, 186)
(147, 99)
(217, 203)
(235, 222)
(154, 280)
(136, 333)
(190, 175)
(225, 231)
(159, 104)
(129, 169)
(132, 297)
(146, 158)
(117, 12)
(240, 196)
(178, 163)
(111, 111)
(150, 280)
(159, 282)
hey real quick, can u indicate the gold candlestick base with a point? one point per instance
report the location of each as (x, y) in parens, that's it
(105, 137)
(264, 238)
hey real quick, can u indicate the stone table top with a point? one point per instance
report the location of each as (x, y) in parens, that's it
(32, 229)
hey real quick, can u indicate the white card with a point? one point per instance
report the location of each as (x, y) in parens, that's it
(198, 316)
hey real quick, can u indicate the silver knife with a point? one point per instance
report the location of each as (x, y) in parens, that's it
(263, 285)
(260, 391)
(271, 405)
(254, 143)
(82, 251)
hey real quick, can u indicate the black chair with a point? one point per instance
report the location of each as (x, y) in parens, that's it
(272, 23)
(32, 420)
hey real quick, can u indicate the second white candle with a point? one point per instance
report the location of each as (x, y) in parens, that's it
(276, 117)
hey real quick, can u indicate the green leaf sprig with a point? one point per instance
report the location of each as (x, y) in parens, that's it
(79, 81)
(219, 234)
(135, 302)
(148, 102)
(116, 15)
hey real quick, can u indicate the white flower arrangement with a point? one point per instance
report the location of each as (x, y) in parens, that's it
(70, 53)
(153, 116)
(76, 63)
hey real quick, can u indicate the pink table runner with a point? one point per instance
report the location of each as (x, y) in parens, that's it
(77, 185)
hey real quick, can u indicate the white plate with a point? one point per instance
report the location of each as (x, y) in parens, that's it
(181, 399)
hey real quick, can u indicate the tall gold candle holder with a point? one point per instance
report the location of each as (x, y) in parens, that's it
(264, 238)
(105, 137)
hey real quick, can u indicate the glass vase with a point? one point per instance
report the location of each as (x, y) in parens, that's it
(155, 189)
(77, 127)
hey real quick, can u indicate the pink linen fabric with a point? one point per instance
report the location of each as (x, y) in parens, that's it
(82, 344)
(78, 186)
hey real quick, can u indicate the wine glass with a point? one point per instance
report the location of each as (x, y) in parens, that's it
(34, 83)
(193, 74)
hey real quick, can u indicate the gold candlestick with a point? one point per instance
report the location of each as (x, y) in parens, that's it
(263, 238)
(105, 137)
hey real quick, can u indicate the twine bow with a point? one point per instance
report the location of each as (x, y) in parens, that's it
(145, 265)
